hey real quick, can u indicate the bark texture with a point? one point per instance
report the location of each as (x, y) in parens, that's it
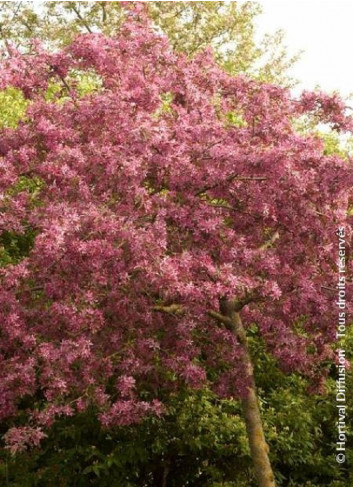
(258, 446)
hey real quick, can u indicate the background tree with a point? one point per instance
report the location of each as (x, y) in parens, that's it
(229, 27)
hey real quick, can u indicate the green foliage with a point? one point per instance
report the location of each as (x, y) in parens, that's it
(86, 83)
(336, 145)
(82, 83)
(301, 427)
(199, 441)
(16, 246)
(12, 107)
(235, 119)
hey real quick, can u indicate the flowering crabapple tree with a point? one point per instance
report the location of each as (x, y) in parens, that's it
(174, 207)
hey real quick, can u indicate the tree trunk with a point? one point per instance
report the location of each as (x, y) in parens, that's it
(258, 446)
(165, 475)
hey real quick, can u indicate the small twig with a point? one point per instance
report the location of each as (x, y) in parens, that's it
(255, 179)
(321, 214)
(231, 178)
(328, 288)
(104, 13)
(270, 242)
(77, 12)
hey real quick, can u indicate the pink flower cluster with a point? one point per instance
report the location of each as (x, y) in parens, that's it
(20, 439)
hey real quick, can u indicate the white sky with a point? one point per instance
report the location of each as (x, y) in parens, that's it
(324, 30)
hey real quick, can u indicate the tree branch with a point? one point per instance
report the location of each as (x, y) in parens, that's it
(228, 323)
(231, 178)
(77, 12)
(270, 242)
(175, 309)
